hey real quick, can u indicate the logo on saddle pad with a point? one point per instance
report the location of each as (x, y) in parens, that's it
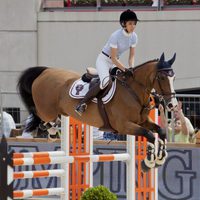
(80, 88)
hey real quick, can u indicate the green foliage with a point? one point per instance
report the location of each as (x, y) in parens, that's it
(180, 2)
(98, 193)
(129, 2)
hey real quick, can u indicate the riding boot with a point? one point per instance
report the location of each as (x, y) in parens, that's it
(82, 106)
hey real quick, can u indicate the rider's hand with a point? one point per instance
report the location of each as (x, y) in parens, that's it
(128, 71)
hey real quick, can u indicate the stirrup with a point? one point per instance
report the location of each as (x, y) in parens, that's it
(80, 109)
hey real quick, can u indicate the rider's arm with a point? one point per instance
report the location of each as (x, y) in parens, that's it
(185, 130)
(115, 60)
(131, 59)
(163, 119)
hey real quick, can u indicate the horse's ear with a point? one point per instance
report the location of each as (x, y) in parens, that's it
(172, 60)
(162, 58)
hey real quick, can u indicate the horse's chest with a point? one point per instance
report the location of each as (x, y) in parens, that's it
(143, 116)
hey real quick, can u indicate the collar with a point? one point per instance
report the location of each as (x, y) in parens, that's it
(125, 33)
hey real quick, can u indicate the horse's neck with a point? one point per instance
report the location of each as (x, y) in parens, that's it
(145, 75)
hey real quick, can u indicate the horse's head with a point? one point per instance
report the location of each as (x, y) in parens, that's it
(164, 82)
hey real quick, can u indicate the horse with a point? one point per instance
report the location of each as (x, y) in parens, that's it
(45, 93)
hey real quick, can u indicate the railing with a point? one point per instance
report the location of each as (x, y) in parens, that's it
(191, 107)
(103, 4)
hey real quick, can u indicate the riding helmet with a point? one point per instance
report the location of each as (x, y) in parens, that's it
(127, 15)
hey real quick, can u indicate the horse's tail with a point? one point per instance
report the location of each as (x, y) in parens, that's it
(24, 85)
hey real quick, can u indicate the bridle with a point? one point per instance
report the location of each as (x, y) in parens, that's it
(161, 97)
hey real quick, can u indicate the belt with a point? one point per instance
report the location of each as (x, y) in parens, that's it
(106, 54)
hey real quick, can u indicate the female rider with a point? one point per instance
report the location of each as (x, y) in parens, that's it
(120, 41)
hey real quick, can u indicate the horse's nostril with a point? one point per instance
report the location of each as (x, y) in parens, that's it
(170, 105)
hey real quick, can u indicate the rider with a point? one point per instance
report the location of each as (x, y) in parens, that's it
(121, 40)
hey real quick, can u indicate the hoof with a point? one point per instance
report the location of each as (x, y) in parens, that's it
(42, 127)
(145, 168)
(160, 162)
(157, 165)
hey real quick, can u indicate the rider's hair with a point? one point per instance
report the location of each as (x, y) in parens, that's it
(127, 15)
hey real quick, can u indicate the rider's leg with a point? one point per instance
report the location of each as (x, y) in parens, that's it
(81, 107)
(102, 66)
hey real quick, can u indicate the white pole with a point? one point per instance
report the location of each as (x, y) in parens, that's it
(91, 153)
(130, 172)
(154, 172)
(65, 135)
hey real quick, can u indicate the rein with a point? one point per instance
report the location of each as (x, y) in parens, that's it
(160, 97)
(145, 106)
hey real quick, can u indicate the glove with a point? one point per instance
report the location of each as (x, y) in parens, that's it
(128, 71)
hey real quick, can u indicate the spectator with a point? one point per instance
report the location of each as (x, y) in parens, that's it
(182, 125)
(97, 135)
(7, 124)
(110, 136)
(26, 134)
(177, 116)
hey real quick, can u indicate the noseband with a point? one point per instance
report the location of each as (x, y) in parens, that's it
(163, 95)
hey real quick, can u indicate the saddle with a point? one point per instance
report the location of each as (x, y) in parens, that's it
(81, 86)
(92, 78)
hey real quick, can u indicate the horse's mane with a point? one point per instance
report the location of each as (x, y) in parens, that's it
(154, 60)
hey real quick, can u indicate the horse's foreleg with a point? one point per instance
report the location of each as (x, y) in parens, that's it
(134, 129)
(162, 150)
(150, 125)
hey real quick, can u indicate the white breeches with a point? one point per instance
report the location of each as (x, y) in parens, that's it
(103, 65)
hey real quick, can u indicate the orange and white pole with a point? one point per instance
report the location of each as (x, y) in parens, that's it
(39, 154)
(42, 161)
(38, 174)
(40, 192)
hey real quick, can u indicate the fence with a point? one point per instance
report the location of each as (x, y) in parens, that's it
(77, 141)
(191, 107)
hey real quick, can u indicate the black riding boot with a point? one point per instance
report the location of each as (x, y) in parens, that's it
(82, 106)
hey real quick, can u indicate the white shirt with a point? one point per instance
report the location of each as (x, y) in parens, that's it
(97, 135)
(189, 125)
(8, 123)
(121, 40)
(26, 134)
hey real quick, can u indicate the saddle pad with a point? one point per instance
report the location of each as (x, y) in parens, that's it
(79, 89)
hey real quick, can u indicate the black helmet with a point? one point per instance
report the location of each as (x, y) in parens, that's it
(127, 15)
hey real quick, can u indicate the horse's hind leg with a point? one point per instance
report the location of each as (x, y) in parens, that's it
(162, 149)
(134, 129)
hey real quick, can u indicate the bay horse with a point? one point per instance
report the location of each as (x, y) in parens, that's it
(45, 92)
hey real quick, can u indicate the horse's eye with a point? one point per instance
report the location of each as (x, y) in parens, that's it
(170, 73)
(161, 77)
